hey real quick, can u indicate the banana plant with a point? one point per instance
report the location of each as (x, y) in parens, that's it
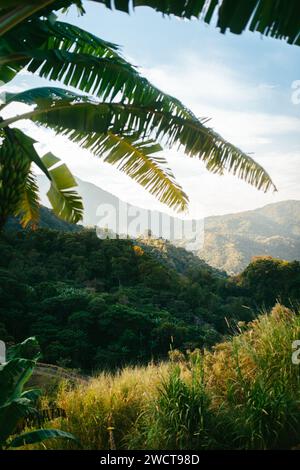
(18, 187)
(15, 403)
(115, 113)
(277, 19)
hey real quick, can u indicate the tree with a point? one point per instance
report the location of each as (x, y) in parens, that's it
(118, 115)
(269, 280)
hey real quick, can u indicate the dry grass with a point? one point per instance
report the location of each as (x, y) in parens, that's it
(243, 394)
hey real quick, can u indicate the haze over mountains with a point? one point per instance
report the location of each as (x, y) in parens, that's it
(230, 241)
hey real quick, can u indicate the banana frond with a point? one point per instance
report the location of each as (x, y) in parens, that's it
(105, 77)
(29, 205)
(14, 12)
(40, 435)
(140, 160)
(78, 59)
(191, 135)
(43, 97)
(44, 34)
(278, 19)
(65, 201)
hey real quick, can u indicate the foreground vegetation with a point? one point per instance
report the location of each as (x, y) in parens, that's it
(242, 395)
(17, 404)
(112, 111)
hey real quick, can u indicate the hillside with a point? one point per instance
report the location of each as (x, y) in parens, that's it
(104, 303)
(96, 303)
(231, 240)
(208, 401)
(174, 257)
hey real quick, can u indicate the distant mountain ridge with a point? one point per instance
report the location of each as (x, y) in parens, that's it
(231, 240)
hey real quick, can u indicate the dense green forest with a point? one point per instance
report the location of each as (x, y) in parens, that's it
(96, 304)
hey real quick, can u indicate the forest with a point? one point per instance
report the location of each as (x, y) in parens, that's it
(127, 344)
(102, 304)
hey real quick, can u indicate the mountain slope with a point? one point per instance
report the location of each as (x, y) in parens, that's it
(230, 241)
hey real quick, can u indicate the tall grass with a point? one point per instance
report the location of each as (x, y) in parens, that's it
(103, 412)
(244, 394)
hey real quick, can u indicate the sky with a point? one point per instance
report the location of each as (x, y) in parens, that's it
(247, 85)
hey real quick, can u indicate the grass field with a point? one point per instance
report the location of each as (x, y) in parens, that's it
(244, 394)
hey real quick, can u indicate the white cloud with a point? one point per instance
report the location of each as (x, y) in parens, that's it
(200, 80)
(236, 105)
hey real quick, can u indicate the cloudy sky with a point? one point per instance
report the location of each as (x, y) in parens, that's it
(244, 84)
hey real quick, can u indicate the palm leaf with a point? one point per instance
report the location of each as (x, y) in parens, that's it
(84, 61)
(278, 19)
(10, 415)
(43, 96)
(26, 144)
(14, 375)
(40, 435)
(106, 77)
(140, 160)
(29, 205)
(28, 349)
(43, 34)
(32, 394)
(69, 118)
(66, 203)
(18, 12)
(14, 12)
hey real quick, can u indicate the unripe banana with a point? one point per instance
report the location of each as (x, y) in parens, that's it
(14, 168)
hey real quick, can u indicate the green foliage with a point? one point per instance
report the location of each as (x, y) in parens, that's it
(15, 403)
(18, 188)
(278, 21)
(181, 417)
(104, 303)
(242, 395)
(272, 280)
(65, 201)
(101, 303)
(127, 133)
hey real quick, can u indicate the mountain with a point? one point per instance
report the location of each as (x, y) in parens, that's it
(229, 241)
(176, 257)
(105, 210)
